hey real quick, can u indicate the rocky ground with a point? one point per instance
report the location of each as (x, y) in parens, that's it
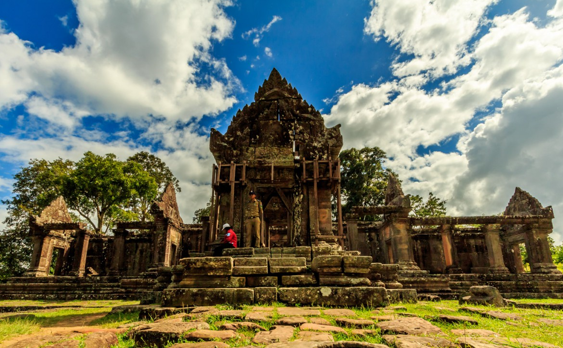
(425, 324)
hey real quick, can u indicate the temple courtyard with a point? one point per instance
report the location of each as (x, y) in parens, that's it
(446, 323)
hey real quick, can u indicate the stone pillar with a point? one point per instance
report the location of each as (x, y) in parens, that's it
(118, 252)
(537, 247)
(450, 251)
(494, 249)
(80, 253)
(518, 264)
(160, 242)
(402, 244)
(40, 259)
(352, 232)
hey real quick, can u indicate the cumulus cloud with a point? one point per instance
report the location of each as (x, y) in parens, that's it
(126, 63)
(435, 32)
(135, 62)
(515, 66)
(256, 34)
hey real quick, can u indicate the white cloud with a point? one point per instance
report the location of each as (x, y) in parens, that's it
(125, 62)
(64, 20)
(435, 32)
(557, 10)
(515, 64)
(243, 58)
(268, 52)
(258, 33)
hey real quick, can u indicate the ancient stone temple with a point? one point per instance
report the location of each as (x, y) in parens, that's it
(279, 147)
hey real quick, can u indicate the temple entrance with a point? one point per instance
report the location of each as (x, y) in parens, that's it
(277, 222)
(57, 260)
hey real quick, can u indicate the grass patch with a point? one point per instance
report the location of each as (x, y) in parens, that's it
(12, 327)
(55, 317)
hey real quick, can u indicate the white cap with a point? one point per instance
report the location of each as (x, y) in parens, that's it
(226, 226)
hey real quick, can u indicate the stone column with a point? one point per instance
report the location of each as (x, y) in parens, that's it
(352, 232)
(450, 252)
(40, 258)
(518, 264)
(537, 247)
(80, 253)
(118, 251)
(160, 242)
(402, 244)
(494, 249)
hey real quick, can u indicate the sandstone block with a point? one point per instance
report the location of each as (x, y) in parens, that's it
(210, 335)
(295, 311)
(242, 325)
(334, 296)
(357, 264)
(212, 282)
(327, 264)
(347, 322)
(261, 281)
(340, 312)
(409, 326)
(259, 316)
(343, 280)
(160, 334)
(402, 295)
(407, 341)
(323, 328)
(288, 265)
(265, 295)
(201, 345)
(483, 295)
(251, 262)
(262, 251)
(276, 335)
(250, 270)
(454, 319)
(299, 280)
(207, 297)
(238, 251)
(320, 321)
(208, 266)
(319, 250)
(291, 321)
(101, 340)
(311, 336)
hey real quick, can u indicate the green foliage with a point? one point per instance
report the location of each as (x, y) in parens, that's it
(200, 213)
(433, 206)
(162, 175)
(102, 186)
(364, 177)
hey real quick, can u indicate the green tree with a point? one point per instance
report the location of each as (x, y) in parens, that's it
(162, 175)
(34, 188)
(433, 206)
(364, 177)
(101, 186)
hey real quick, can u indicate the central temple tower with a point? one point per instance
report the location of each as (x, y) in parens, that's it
(279, 147)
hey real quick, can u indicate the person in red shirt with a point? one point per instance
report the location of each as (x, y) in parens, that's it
(229, 241)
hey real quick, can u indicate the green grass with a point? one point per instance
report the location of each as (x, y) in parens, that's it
(113, 320)
(16, 327)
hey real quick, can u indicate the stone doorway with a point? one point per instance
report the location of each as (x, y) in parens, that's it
(57, 260)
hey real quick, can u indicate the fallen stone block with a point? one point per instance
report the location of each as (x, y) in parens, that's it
(295, 311)
(340, 312)
(402, 295)
(291, 321)
(363, 332)
(320, 321)
(277, 334)
(212, 282)
(474, 332)
(288, 265)
(483, 295)
(259, 316)
(455, 319)
(261, 281)
(299, 280)
(323, 328)
(334, 296)
(347, 322)
(160, 334)
(100, 340)
(231, 314)
(312, 336)
(208, 266)
(242, 325)
(408, 326)
(207, 297)
(210, 335)
(201, 345)
(407, 341)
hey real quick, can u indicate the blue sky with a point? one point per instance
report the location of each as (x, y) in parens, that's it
(442, 86)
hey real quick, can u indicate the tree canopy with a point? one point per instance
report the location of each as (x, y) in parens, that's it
(98, 190)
